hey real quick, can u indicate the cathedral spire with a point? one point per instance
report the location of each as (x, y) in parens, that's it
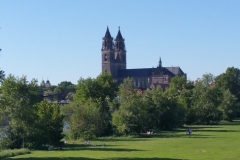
(107, 34)
(119, 35)
(107, 42)
(119, 41)
(160, 63)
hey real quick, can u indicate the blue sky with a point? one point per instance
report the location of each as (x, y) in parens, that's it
(60, 40)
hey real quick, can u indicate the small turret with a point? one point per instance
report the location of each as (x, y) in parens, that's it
(47, 84)
(43, 83)
(160, 63)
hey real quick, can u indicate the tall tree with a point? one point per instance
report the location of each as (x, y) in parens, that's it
(103, 89)
(17, 98)
(229, 105)
(47, 128)
(170, 111)
(206, 101)
(230, 80)
(183, 91)
(84, 120)
(130, 118)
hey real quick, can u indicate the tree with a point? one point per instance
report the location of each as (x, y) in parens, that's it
(48, 125)
(183, 90)
(130, 118)
(2, 75)
(169, 113)
(178, 83)
(83, 120)
(154, 111)
(207, 79)
(17, 98)
(102, 90)
(63, 89)
(230, 80)
(46, 92)
(206, 101)
(229, 105)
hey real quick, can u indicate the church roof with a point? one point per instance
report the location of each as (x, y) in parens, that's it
(119, 35)
(175, 70)
(143, 72)
(107, 34)
(159, 71)
(146, 72)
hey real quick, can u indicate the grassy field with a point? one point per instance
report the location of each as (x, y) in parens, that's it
(220, 142)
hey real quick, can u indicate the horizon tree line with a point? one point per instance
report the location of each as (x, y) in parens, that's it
(99, 107)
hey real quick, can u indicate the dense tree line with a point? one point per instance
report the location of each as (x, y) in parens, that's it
(99, 107)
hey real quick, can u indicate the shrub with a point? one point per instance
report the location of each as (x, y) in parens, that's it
(14, 152)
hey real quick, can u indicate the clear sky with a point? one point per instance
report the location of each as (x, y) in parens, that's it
(61, 40)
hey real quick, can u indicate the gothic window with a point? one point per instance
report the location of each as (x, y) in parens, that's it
(105, 57)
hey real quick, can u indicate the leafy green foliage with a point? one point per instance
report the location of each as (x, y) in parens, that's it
(48, 124)
(99, 109)
(100, 88)
(229, 105)
(130, 118)
(15, 152)
(24, 122)
(63, 89)
(2, 75)
(84, 120)
(89, 115)
(230, 80)
(18, 97)
(206, 101)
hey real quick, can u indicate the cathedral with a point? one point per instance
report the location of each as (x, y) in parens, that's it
(114, 60)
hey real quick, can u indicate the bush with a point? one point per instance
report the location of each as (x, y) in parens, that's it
(14, 152)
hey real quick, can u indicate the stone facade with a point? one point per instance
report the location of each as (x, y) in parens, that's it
(114, 61)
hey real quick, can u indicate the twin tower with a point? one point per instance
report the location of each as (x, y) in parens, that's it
(113, 53)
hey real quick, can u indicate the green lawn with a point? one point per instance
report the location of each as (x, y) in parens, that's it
(220, 142)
